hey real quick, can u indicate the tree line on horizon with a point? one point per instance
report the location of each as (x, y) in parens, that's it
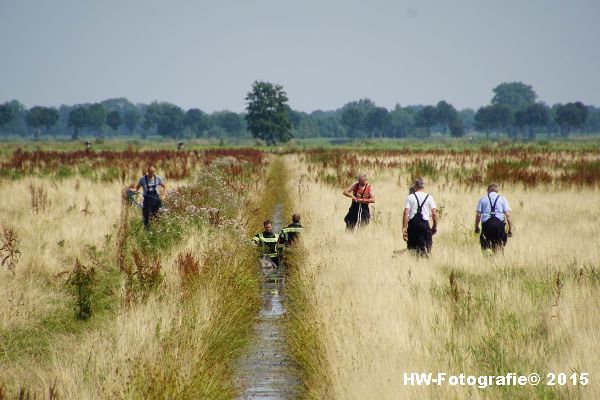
(514, 111)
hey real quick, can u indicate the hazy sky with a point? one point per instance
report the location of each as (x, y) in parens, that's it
(325, 53)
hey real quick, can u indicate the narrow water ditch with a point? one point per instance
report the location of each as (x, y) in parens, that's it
(266, 371)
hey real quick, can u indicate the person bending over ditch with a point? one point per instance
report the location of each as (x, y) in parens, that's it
(290, 233)
(268, 241)
(492, 211)
(362, 195)
(152, 185)
(418, 210)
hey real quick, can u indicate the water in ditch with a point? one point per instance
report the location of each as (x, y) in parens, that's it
(267, 371)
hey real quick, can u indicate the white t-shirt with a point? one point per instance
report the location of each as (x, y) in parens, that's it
(411, 204)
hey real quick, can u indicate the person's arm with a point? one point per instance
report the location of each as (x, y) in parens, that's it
(405, 224)
(350, 192)
(434, 217)
(138, 186)
(478, 212)
(371, 198)
(164, 188)
(281, 242)
(510, 222)
(477, 221)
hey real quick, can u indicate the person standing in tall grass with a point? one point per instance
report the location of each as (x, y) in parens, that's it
(152, 185)
(419, 208)
(493, 211)
(362, 195)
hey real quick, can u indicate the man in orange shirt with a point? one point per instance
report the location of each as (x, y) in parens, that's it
(362, 195)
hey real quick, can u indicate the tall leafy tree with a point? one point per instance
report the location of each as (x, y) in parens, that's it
(352, 118)
(296, 118)
(39, 117)
(378, 121)
(403, 121)
(6, 114)
(532, 117)
(592, 122)
(468, 117)
(516, 95)
(131, 119)
(570, 116)
(96, 118)
(78, 120)
(493, 118)
(365, 105)
(167, 118)
(426, 117)
(114, 120)
(268, 113)
(445, 114)
(197, 121)
(457, 127)
(117, 104)
(231, 122)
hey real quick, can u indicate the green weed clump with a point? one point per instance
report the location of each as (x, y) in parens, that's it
(82, 281)
(9, 249)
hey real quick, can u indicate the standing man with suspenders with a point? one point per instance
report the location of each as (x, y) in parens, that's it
(418, 210)
(362, 195)
(152, 194)
(493, 211)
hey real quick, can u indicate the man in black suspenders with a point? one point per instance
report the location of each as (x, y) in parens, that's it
(362, 195)
(152, 185)
(418, 210)
(493, 211)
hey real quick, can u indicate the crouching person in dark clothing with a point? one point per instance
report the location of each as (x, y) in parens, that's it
(493, 211)
(290, 233)
(418, 210)
(267, 240)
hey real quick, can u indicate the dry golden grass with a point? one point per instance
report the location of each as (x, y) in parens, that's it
(173, 341)
(50, 240)
(121, 359)
(381, 314)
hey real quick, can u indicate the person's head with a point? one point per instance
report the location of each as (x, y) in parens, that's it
(268, 225)
(296, 218)
(492, 187)
(362, 178)
(419, 184)
(411, 189)
(150, 170)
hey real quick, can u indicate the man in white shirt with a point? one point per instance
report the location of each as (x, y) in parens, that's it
(493, 211)
(418, 210)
